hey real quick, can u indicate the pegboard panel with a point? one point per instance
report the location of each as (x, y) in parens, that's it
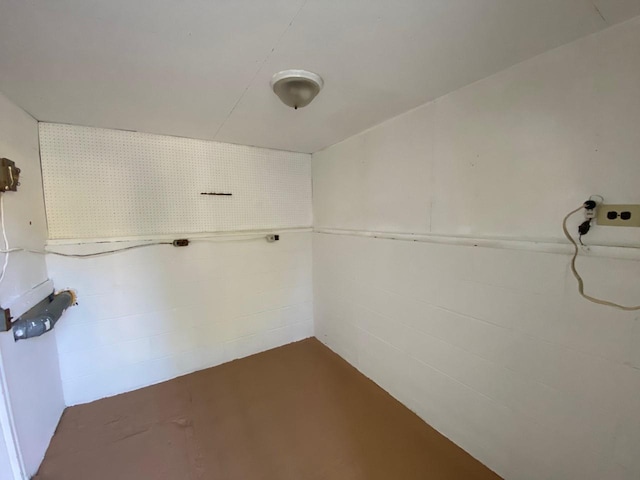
(102, 183)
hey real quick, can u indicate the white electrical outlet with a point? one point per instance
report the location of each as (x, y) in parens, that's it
(618, 215)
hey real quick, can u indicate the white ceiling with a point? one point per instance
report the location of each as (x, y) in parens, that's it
(201, 68)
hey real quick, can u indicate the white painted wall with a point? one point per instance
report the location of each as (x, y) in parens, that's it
(148, 315)
(493, 346)
(151, 314)
(30, 367)
(507, 156)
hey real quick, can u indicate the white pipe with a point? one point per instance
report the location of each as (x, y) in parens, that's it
(546, 246)
(172, 236)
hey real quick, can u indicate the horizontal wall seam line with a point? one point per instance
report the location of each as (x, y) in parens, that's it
(176, 327)
(525, 333)
(106, 293)
(440, 372)
(74, 378)
(498, 403)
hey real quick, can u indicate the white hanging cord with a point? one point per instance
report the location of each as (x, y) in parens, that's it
(574, 270)
(95, 254)
(4, 237)
(212, 238)
(7, 250)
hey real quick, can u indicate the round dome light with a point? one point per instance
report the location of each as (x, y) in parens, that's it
(296, 88)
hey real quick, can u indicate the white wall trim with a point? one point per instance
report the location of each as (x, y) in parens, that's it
(546, 246)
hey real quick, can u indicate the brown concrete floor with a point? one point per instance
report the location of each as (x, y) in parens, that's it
(298, 412)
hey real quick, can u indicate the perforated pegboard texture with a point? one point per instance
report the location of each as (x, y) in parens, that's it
(102, 183)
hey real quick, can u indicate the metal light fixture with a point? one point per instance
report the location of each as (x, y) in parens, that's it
(296, 88)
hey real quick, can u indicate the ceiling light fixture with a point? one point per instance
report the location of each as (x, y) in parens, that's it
(296, 88)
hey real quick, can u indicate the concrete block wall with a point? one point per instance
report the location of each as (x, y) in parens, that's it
(148, 315)
(493, 348)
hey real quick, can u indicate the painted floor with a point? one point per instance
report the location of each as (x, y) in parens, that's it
(298, 412)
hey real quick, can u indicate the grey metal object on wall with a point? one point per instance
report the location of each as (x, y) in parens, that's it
(43, 317)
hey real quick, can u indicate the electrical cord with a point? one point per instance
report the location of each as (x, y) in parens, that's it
(4, 237)
(80, 255)
(7, 251)
(574, 270)
(96, 254)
